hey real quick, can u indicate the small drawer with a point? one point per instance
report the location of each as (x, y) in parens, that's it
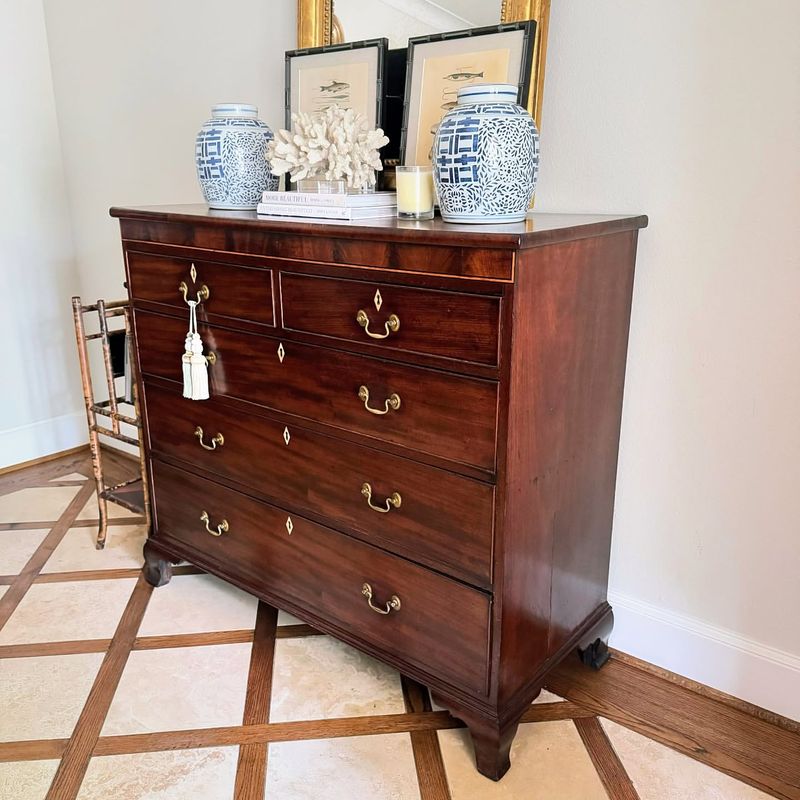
(433, 622)
(227, 292)
(440, 323)
(423, 513)
(429, 411)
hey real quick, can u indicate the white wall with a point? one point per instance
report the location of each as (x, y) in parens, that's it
(41, 410)
(689, 111)
(134, 81)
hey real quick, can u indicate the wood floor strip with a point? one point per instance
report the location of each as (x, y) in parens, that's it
(78, 523)
(708, 691)
(16, 591)
(274, 732)
(192, 639)
(108, 574)
(54, 648)
(746, 748)
(296, 631)
(7, 580)
(428, 761)
(78, 752)
(251, 767)
(37, 750)
(550, 712)
(613, 776)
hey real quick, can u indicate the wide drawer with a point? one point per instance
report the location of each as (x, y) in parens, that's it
(434, 412)
(441, 626)
(233, 292)
(449, 324)
(420, 512)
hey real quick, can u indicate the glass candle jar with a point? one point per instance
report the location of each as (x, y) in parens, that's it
(414, 192)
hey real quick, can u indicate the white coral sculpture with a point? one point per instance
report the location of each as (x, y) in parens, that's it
(335, 144)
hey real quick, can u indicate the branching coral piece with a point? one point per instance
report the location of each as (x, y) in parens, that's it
(335, 144)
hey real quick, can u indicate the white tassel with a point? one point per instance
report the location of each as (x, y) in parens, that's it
(199, 370)
(186, 360)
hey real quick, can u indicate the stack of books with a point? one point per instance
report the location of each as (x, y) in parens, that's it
(316, 205)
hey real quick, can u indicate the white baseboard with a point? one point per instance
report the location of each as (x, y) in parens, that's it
(43, 438)
(717, 657)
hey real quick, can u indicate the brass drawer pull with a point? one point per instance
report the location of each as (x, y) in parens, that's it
(216, 441)
(391, 502)
(392, 325)
(392, 402)
(393, 603)
(203, 293)
(223, 527)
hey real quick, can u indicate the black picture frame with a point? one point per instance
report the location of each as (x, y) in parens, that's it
(523, 78)
(381, 46)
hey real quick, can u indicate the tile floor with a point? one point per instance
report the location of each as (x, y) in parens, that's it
(171, 728)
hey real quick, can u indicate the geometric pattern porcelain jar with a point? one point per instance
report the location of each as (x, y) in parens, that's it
(486, 157)
(230, 153)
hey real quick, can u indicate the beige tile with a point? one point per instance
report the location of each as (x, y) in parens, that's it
(659, 773)
(285, 618)
(41, 698)
(197, 604)
(26, 780)
(317, 677)
(77, 551)
(548, 697)
(73, 476)
(91, 511)
(16, 548)
(207, 774)
(178, 688)
(59, 612)
(379, 767)
(32, 505)
(548, 762)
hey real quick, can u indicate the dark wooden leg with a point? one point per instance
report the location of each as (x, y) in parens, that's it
(157, 569)
(593, 647)
(491, 740)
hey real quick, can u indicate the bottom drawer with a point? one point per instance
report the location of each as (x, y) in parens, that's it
(440, 626)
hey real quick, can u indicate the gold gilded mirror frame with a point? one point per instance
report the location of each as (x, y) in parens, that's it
(317, 26)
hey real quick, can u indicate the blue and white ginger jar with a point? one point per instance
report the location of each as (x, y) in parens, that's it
(230, 153)
(486, 157)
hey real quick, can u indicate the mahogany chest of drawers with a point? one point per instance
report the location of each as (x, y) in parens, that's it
(411, 439)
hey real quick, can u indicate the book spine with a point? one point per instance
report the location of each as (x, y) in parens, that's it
(289, 210)
(303, 198)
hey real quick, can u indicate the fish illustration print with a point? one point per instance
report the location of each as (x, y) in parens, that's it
(463, 76)
(335, 86)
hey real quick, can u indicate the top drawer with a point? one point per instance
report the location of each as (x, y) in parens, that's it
(233, 292)
(441, 323)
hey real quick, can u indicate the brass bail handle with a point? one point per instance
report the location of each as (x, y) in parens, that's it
(391, 403)
(392, 604)
(203, 293)
(216, 441)
(392, 325)
(393, 501)
(223, 526)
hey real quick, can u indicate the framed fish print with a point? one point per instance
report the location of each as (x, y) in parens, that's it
(349, 75)
(439, 65)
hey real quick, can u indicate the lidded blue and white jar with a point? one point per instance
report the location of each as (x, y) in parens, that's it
(230, 153)
(486, 156)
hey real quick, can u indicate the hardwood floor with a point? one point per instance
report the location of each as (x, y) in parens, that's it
(578, 721)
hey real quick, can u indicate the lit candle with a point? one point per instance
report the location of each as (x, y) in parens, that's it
(414, 192)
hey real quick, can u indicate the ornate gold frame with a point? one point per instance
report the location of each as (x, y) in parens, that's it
(317, 25)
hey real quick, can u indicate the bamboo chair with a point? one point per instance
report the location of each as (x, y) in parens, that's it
(118, 362)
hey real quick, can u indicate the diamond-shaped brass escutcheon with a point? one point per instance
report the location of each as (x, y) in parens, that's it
(193, 273)
(286, 435)
(281, 352)
(289, 525)
(378, 300)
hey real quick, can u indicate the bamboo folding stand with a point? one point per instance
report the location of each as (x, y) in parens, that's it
(117, 362)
